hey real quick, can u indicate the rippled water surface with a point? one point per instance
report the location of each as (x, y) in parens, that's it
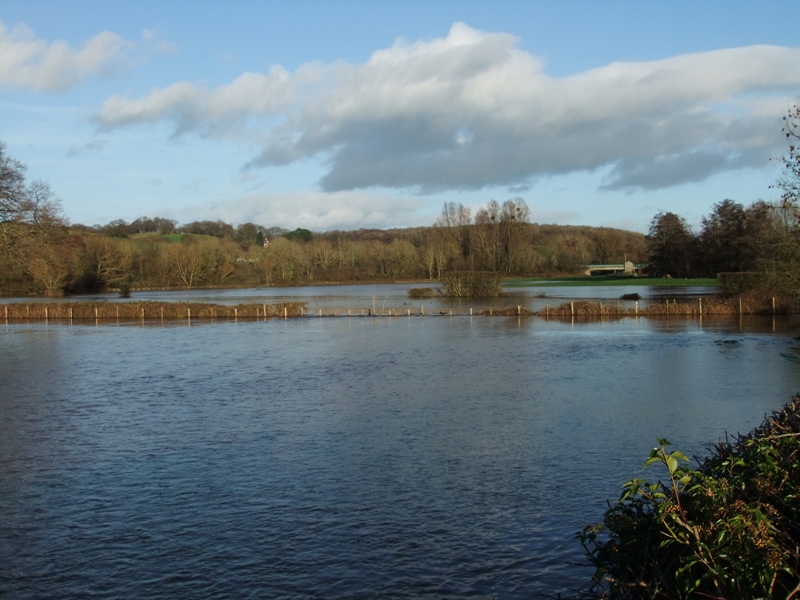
(347, 458)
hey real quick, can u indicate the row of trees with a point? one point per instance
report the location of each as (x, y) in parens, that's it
(732, 239)
(40, 253)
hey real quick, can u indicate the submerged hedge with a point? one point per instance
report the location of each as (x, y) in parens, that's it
(147, 310)
(729, 528)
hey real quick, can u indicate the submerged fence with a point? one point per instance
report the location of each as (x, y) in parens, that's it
(191, 310)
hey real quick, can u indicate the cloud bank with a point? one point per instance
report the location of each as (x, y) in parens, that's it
(314, 210)
(473, 110)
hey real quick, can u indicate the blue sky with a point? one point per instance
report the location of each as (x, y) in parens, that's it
(348, 115)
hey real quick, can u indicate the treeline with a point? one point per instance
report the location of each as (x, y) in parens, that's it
(41, 254)
(750, 249)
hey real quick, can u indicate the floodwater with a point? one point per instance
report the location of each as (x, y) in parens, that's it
(396, 296)
(421, 457)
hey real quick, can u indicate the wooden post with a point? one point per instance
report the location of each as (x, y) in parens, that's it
(265, 312)
(490, 311)
(6, 312)
(519, 310)
(162, 313)
(470, 311)
(142, 314)
(320, 312)
(700, 305)
(45, 314)
(636, 309)
(451, 312)
(118, 313)
(409, 312)
(773, 305)
(70, 313)
(236, 313)
(285, 312)
(29, 311)
(189, 313)
(422, 309)
(95, 313)
(740, 306)
(572, 308)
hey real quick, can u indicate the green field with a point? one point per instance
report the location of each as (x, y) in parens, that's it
(585, 281)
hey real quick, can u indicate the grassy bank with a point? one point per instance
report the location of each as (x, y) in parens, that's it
(586, 281)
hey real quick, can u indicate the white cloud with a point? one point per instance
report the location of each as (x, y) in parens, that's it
(472, 110)
(31, 63)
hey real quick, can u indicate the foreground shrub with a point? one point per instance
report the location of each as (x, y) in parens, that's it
(728, 529)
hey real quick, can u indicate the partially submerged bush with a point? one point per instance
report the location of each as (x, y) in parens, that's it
(473, 284)
(728, 529)
(425, 292)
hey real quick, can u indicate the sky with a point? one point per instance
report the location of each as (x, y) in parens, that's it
(358, 114)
